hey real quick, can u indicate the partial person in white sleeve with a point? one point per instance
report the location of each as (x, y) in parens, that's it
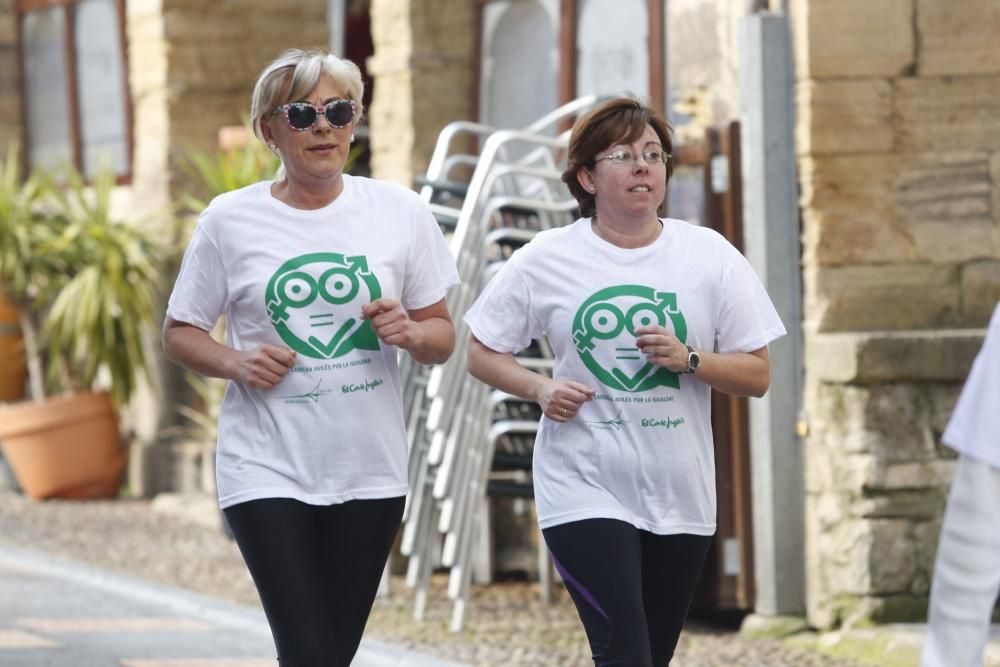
(645, 316)
(322, 277)
(966, 579)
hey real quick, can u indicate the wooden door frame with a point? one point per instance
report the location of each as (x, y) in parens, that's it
(730, 415)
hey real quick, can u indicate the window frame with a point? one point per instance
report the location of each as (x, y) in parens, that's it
(24, 7)
(567, 42)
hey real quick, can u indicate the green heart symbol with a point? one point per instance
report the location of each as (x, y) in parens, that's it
(604, 333)
(314, 293)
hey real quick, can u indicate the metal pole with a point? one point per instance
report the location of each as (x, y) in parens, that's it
(771, 240)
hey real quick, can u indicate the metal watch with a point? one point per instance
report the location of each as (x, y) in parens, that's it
(694, 359)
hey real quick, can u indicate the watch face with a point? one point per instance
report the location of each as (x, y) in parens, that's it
(693, 360)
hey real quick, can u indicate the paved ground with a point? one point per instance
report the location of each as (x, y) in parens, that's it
(506, 625)
(55, 613)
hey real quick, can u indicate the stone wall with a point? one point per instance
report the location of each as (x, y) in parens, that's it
(702, 64)
(147, 68)
(216, 50)
(423, 64)
(899, 144)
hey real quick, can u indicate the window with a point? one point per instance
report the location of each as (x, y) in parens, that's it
(600, 47)
(75, 98)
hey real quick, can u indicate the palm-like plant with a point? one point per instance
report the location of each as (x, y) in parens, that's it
(28, 275)
(102, 312)
(83, 282)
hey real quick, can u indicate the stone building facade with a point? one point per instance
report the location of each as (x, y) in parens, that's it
(423, 63)
(898, 150)
(898, 144)
(191, 67)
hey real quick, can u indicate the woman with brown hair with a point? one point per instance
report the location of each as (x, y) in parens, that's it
(646, 316)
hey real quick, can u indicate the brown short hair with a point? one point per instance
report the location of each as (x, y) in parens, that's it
(619, 120)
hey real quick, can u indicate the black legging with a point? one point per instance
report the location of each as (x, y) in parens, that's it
(632, 588)
(317, 570)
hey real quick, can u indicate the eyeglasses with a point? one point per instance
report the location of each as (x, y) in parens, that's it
(653, 157)
(302, 115)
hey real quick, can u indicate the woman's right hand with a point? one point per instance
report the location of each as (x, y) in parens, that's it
(263, 367)
(561, 399)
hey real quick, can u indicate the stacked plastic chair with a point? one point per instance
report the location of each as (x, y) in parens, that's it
(489, 203)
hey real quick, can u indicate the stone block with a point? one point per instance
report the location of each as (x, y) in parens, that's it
(995, 181)
(844, 116)
(8, 27)
(891, 556)
(847, 549)
(958, 38)
(944, 201)
(980, 290)
(944, 186)
(137, 8)
(915, 475)
(941, 397)
(855, 230)
(892, 609)
(853, 38)
(953, 241)
(947, 114)
(917, 505)
(871, 298)
(880, 357)
(858, 434)
(849, 212)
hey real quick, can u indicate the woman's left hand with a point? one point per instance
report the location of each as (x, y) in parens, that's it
(662, 348)
(392, 324)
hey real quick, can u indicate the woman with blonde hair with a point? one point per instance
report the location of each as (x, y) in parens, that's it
(322, 277)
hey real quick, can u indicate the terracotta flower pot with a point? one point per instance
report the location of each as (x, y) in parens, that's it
(13, 371)
(64, 447)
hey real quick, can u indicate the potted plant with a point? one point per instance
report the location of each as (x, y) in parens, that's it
(84, 284)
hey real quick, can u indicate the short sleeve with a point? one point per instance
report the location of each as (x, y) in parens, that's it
(747, 320)
(200, 293)
(430, 267)
(502, 317)
(974, 424)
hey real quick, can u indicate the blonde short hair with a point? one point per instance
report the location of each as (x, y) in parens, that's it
(294, 74)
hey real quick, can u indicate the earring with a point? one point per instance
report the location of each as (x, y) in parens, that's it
(352, 138)
(272, 147)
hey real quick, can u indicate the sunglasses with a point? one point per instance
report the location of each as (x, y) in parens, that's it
(302, 115)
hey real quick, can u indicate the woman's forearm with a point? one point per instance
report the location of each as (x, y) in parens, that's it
(436, 341)
(196, 350)
(736, 373)
(501, 370)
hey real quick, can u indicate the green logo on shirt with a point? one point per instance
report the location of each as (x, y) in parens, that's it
(604, 333)
(315, 300)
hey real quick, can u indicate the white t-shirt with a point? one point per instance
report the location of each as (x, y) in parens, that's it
(974, 428)
(333, 429)
(641, 451)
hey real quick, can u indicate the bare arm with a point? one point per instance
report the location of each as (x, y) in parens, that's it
(194, 349)
(427, 334)
(736, 373)
(560, 399)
